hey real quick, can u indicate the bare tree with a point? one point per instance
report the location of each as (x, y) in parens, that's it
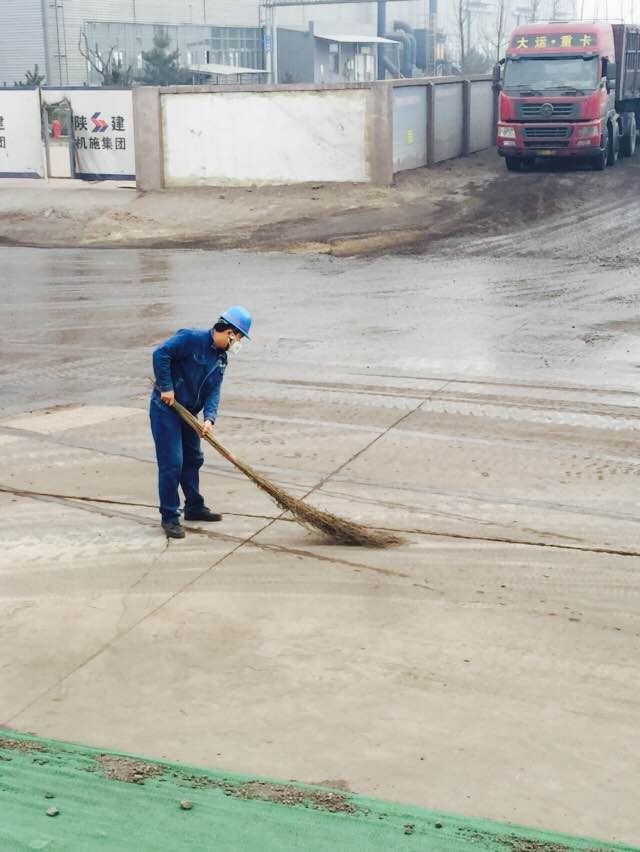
(460, 13)
(110, 70)
(497, 36)
(535, 11)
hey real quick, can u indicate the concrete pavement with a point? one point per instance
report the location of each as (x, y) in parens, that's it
(488, 666)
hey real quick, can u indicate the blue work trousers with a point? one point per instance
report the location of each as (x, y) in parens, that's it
(179, 461)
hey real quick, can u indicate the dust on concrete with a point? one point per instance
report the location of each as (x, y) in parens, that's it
(281, 794)
(126, 769)
(334, 783)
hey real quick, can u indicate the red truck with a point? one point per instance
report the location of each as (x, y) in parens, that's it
(570, 90)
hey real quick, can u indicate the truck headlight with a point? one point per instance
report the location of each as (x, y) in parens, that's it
(589, 131)
(507, 132)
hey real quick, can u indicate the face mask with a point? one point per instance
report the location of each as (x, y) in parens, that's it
(234, 347)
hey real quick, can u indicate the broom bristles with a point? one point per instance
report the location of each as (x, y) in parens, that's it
(338, 529)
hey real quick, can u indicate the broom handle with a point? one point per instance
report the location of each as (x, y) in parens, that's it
(188, 417)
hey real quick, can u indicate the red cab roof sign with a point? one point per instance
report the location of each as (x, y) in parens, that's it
(573, 37)
(554, 41)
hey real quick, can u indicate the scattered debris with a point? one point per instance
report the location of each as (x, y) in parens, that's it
(409, 827)
(285, 795)
(513, 843)
(186, 805)
(126, 769)
(53, 811)
(282, 794)
(20, 745)
(49, 796)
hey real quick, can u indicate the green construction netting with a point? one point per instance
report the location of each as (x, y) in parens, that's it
(114, 801)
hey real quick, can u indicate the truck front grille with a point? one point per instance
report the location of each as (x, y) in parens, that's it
(546, 132)
(535, 111)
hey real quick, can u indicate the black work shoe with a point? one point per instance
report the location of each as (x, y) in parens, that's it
(173, 529)
(202, 514)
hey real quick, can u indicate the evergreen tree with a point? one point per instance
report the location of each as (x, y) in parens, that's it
(32, 79)
(162, 68)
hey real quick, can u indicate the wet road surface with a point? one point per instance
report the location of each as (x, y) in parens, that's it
(483, 400)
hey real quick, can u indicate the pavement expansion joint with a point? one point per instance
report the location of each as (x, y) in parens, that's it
(282, 548)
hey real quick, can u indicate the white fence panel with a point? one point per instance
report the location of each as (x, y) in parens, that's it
(265, 137)
(481, 130)
(20, 134)
(103, 131)
(409, 127)
(448, 120)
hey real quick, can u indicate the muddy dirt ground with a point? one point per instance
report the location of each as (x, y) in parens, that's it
(471, 196)
(481, 397)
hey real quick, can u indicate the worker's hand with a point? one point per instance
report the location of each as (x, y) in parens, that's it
(207, 427)
(168, 397)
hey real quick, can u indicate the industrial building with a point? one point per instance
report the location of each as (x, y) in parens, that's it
(206, 32)
(215, 37)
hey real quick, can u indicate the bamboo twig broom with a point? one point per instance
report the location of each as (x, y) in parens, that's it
(337, 529)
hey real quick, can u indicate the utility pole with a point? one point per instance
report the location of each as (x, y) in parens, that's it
(270, 45)
(382, 29)
(430, 58)
(45, 33)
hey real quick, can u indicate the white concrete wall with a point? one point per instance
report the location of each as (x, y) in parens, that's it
(20, 133)
(265, 137)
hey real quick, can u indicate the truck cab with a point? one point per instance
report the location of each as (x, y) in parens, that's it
(558, 95)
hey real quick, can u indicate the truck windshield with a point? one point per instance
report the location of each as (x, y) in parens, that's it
(548, 74)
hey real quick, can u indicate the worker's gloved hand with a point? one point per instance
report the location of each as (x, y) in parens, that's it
(207, 427)
(168, 397)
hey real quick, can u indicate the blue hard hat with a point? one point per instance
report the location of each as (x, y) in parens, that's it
(239, 318)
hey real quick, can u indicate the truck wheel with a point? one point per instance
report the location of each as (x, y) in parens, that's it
(630, 137)
(614, 144)
(513, 164)
(599, 163)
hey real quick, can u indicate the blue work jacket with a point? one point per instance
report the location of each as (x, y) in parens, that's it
(190, 364)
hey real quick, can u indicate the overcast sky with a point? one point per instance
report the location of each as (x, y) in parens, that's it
(626, 9)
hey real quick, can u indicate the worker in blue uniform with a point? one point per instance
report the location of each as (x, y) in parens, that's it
(189, 367)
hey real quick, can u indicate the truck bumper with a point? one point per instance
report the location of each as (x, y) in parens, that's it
(532, 154)
(529, 141)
